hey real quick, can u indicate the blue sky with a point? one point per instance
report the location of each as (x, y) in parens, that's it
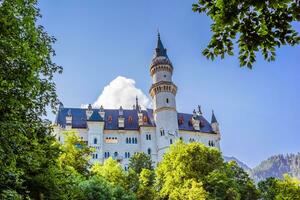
(258, 110)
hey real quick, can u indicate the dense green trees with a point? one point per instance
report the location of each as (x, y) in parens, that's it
(256, 26)
(26, 88)
(201, 169)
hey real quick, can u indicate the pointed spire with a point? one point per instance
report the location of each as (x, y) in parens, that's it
(121, 111)
(213, 118)
(199, 110)
(69, 112)
(136, 102)
(160, 50)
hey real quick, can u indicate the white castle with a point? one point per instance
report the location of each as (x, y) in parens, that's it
(119, 133)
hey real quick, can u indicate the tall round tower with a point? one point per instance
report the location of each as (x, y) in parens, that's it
(163, 92)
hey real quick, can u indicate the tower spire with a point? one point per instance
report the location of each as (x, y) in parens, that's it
(213, 117)
(160, 50)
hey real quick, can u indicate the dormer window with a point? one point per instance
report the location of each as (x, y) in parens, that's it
(109, 119)
(145, 118)
(130, 120)
(180, 120)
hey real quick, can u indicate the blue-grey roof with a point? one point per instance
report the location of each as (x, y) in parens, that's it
(79, 119)
(160, 49)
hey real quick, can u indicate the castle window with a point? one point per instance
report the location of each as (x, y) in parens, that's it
(126, 140)
(130, 119)
(180, 138)
(127, 155)
(145, 118)
(129, 140)
(116, 154)
(111, 140)
(95, 140)
(149, 151)
(106, 154)
(59, 138)
(162, 132)
(135, 140)
(148, 137)
(165, 76)
(171, 141)
(167, 100)
(180, 120)
(109, 118)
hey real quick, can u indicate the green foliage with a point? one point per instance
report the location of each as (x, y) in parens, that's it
(26, 88)
(111, 171)
(140, 161)
(256, 26)
(189, 169)
(146, 190)
(276, 189)
(184, 162)
(190, 190)
(75, 153)
(96, 188)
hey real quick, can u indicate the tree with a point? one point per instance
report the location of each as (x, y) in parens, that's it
(276, 189)
(267, 188)
(185, 162)
(111, 171)
(75, 153)
(145, 188)
(194, 170)
(256, 26)
(96, 188)
(140, 161)
(26, 88)
(230, 182)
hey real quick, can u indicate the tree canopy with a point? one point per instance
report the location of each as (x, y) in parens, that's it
(256, 26)
(26, 89)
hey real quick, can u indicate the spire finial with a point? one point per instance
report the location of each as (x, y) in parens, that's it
(199, 110)
(158, 34)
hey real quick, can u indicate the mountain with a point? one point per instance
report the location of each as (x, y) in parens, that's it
(276, 166)
(240, 163)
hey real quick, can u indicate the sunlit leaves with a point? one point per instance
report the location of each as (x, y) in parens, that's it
(260, 26)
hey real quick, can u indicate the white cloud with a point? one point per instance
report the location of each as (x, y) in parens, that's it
(121, 92)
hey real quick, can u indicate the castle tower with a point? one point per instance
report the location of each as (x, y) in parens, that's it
(163, 92)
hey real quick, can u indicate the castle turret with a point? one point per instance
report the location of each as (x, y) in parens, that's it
(163, 92)
(214, 123)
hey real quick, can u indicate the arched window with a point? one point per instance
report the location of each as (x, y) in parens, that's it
(116, 154)
(135, 140)
(147, 138)
(126, 140)
(95, 140)
(129, 140)
(171, 141)
(149, 151)
(167, 100)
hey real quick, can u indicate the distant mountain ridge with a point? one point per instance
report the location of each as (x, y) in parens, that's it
(274, 166)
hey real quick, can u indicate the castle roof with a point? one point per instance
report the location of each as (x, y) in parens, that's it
(79, 119)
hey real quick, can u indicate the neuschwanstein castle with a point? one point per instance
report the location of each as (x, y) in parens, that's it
(119, 133)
